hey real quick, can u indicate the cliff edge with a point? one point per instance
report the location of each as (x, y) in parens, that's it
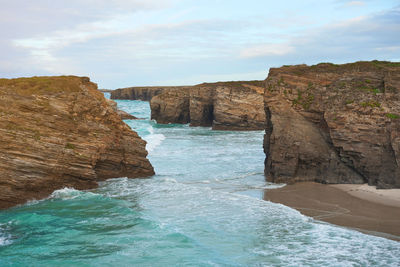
(61, 132)
(334, 123)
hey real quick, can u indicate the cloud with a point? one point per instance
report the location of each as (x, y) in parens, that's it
(39, 29)
(197, 79)
(376, 36)
(355, 3)
(358, 38)
(123, 43)
(267, 50)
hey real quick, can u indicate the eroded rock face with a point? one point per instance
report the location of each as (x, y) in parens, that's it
(171, 107)
(61, 131)
(334, 123)
(142, 93)
(223, 105)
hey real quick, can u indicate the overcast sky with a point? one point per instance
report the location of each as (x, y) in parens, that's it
(120, 43)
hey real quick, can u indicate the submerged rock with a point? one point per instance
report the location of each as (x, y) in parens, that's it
(223, 105)
(126, 116)
(61, 132)
(123, 114)
(334, 123)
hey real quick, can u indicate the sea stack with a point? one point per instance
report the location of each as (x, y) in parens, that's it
(144, 93)
(334, 123)
(222, 105)
(61, 132)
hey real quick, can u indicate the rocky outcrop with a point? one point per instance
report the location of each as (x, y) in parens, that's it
(60, 132)
(142, 93)
(171, 107)
(223, 105)
(105, 90)
(334, 123)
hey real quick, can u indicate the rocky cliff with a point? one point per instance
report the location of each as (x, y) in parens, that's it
(142, 93)
(334, 123)
(223, 105)
(58, 132)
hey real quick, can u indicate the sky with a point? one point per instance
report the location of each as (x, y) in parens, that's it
(122, 43)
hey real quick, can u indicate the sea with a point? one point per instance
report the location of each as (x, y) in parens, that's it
(204, 207)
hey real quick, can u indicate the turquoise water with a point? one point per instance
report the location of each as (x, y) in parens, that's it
(203, 208)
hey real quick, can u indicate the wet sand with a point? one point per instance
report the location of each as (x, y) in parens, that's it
(360, 207)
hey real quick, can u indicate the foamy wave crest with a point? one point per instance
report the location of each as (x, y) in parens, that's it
(4, 237)
(170, 180)
(153, 140)
(65, 193)
(4, 241)
(70, 193)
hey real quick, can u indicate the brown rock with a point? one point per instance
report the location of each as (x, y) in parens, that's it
(238, 107)
(334, 123)
(223, 105)
(105, 90)
(142, 93)
(171, 107)
(61, 131)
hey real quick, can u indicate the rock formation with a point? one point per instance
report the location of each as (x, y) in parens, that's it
(105, 90)
(223, 105)
(334, 123)
(61, 132)
(142, 93)
(171, 107)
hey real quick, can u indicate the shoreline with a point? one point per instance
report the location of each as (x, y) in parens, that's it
(359, 207)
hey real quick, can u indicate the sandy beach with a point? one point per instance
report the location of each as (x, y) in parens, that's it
(361, 207)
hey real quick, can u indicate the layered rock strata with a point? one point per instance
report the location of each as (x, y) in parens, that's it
(142, 93)
(334, 123)
(60, 132)
(223, 105)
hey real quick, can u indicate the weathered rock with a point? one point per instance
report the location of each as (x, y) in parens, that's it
(171, 107)
(61, 131)
(334, 123)
(239, 107)
(223, 105)
(105, 90)
(142, 93)
(201, 105)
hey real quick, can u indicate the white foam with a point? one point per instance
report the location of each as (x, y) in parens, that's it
(153, 140)
(4, 241)
(69, 193)
(65, 193)
(171, 180)
(4, 238)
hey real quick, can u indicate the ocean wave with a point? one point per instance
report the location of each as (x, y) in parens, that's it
(170, 180)
(69, 193)
(153, 140)
(5, 239)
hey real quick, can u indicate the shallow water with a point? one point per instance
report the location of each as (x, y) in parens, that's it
(203, 208)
